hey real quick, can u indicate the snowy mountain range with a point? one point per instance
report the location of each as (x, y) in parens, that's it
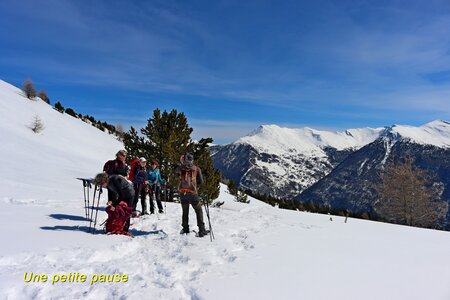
(284, 161)
(300, 163)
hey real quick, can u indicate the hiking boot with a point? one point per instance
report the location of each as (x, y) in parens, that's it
(184, 231)
(152, 212)
(161, 211)
(202, 233)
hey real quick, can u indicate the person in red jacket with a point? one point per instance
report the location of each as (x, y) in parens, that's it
(117, 166)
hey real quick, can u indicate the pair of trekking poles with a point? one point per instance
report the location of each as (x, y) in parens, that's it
(89, 210)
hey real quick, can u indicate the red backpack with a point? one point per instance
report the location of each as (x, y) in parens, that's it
(116, 219)
(133, 166)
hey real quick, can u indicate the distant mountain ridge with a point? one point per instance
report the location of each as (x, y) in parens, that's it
(284, 162)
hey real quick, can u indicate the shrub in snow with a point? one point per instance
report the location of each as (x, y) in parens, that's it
(28, 89)
(43, 95)
(242, 197)
(37, 125)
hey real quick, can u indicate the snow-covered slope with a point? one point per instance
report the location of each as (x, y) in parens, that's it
(46, 163)
(260, 252)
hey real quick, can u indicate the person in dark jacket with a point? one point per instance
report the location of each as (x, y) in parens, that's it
(139, 183)
(190, 180)
(155, 181)
(119, 189)
(117, 166)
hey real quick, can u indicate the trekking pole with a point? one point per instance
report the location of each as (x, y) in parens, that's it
(211, 234)
(154, 197)
(165, 198)
(88, 185)
(92, 208)
(100, 191)
(86, 208)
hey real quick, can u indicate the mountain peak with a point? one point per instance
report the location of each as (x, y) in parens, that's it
(436, 133)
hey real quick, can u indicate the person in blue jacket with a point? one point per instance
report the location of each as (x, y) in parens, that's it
(155, 182)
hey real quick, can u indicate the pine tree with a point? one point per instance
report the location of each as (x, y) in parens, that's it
(71, 112)
(166, 137)
(210, 189)
(134, 144)
(232, 188)
(59, 107)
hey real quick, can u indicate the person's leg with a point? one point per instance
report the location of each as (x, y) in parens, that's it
(158, 198)
(152, 205)
(136, 195)
(143, 202)
(196, 204)
(185, 216)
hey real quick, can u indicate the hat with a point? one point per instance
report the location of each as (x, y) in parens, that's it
(154, 162)
(142, 159)
(121, 153)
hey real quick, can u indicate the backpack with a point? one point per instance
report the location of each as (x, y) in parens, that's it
(188, 179)
(140, 176)
(110, 166)
(117, 219)
(133, 166)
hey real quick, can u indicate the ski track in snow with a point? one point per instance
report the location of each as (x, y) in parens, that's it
(160, 262)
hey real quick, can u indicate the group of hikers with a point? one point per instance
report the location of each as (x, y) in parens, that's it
(125, 187)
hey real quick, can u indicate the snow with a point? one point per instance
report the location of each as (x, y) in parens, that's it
(280, 140)
(436, 133)
(259, 252)
(272, 167)
(65, 149)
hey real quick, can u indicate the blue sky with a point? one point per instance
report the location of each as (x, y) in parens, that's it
(233, 65)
